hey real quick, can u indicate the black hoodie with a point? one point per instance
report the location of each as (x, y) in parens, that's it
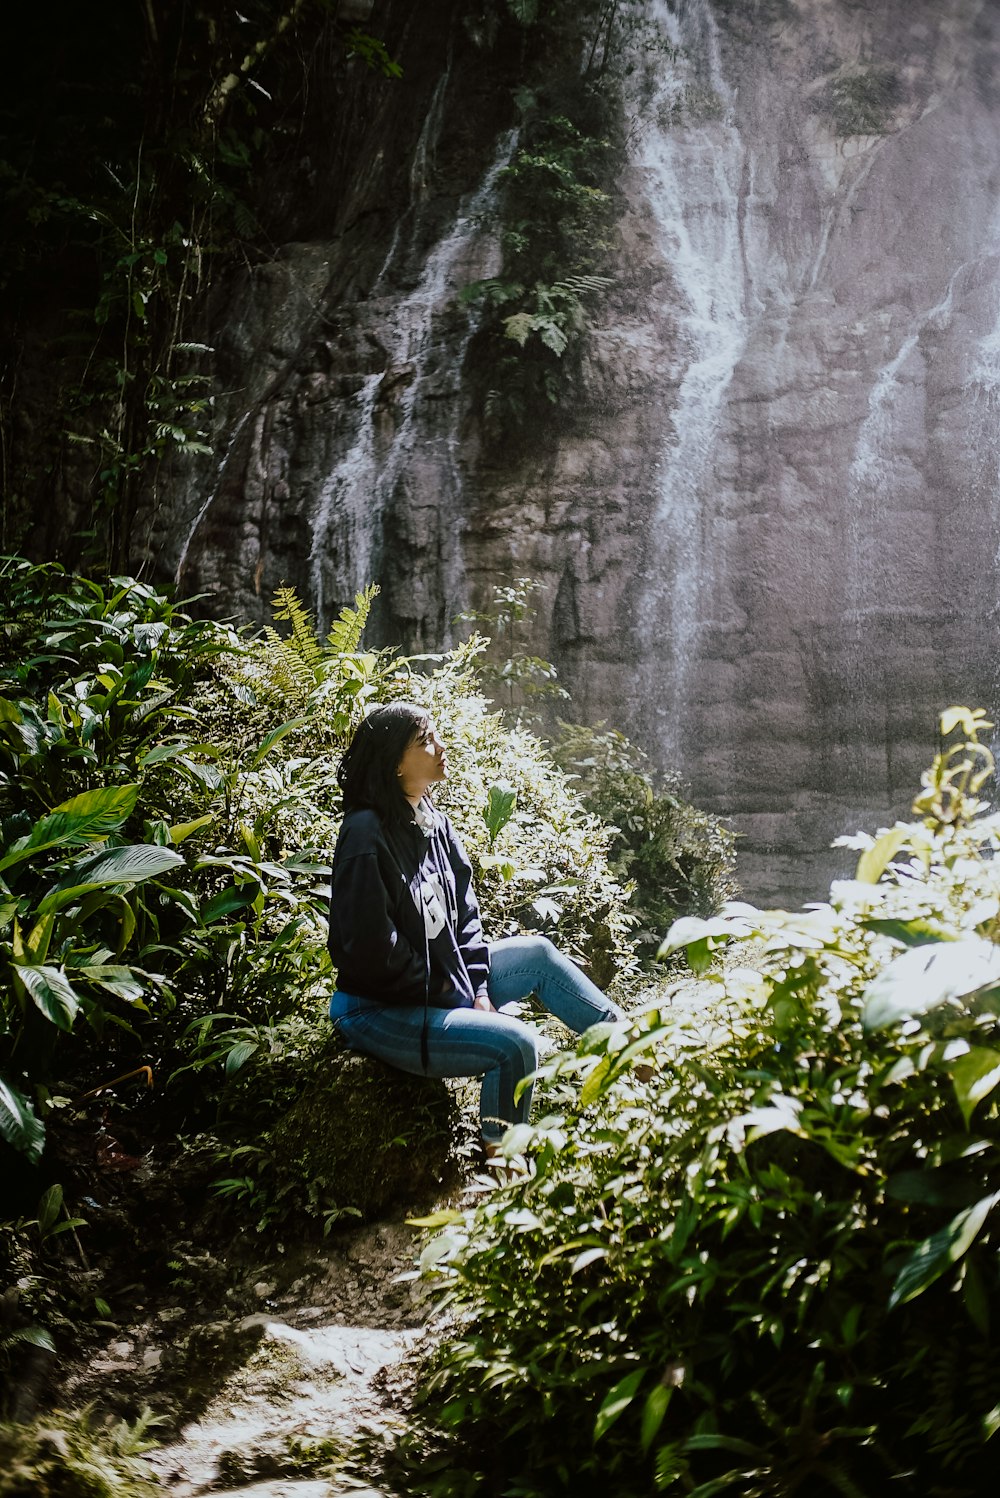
(404, 919)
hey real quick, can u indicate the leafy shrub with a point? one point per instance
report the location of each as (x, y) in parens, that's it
(776, 1270)
(165, 836)
(680, 859)
(70, 1455)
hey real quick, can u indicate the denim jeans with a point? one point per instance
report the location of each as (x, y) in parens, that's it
(469, 1042)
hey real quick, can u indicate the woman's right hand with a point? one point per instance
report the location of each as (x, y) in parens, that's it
(482, 1001)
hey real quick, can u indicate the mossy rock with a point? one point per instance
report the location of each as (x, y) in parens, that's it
(365, 1138)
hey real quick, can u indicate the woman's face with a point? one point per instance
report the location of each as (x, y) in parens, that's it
(423, 763)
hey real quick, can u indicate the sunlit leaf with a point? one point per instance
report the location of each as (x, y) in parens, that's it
(18, 1122)
(975, 1075)
(595, 1081)
(51, 992)
(82, 819)
(274, 737)
(501, 800)
(617, 1401)
(874, 861)
(653, 1412)
(923, 979)
(443, 1219)
(931, 1258)
(49, 1208)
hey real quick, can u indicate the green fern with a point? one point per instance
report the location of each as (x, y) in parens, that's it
(288, 609)
(345, 636)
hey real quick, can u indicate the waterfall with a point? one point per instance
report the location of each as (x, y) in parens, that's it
(361, 487)
(423, 155)
(874, 475)
(342, 512)
(984, 424)
(693, 161)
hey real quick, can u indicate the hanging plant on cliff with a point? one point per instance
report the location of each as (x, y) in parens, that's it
(556, 213)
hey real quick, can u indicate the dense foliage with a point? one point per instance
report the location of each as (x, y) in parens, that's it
(775, 1270)
(165, 835)
(76, 1456)
(680, 859)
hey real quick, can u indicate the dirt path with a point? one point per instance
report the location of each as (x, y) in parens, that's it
(263, 1392)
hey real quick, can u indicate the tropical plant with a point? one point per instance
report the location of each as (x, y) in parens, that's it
(164, 836)
(681, 859)
(73, 1455)
(773, 1271)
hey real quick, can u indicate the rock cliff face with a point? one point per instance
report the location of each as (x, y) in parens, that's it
(769, 521)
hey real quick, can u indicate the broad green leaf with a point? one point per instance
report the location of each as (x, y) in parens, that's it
(781, 1113)
(915, 933)
(716, 1441)
(130, 865)
(161, 753)
(931, 1258)
(873, 862)
(595, 1081)
(702, 937)
(617, 1401)
(976, 1295)
(30, 1336)
(18, 1123)
(84, 818)
(49, 1208)
(117, 979)
(500, 803)
(975, 1075)
(938, 1186)
(653, 1412)
(36, 943)
(180, 830)
(928, 976)
(239, 1054)
(235, 897)
(445, 1218)
(274, 737)
(51, 992)
(589, 1256)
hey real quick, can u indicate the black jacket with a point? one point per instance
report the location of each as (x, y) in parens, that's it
(404, 919)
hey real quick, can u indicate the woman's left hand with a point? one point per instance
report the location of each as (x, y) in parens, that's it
(482, 1001)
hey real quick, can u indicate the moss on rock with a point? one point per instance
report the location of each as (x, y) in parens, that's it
(364, 1137)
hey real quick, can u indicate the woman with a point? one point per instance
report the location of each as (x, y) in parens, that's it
(418, 986)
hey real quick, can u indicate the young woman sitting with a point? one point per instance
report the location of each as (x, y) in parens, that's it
(418, 985)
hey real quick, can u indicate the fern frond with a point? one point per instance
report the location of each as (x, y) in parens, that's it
(345, 636)
(289, 609)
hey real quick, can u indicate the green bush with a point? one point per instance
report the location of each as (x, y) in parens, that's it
(680, 859)
(70, 1455)
(168, 805)
(775, 1270)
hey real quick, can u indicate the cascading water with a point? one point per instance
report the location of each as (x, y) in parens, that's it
(342, 512)
(692, 159)
(364, 483)
(983, 387)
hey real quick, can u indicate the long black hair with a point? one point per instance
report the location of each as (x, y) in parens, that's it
(367, 773)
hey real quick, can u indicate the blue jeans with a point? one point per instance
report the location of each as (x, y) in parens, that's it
(469, 1042)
